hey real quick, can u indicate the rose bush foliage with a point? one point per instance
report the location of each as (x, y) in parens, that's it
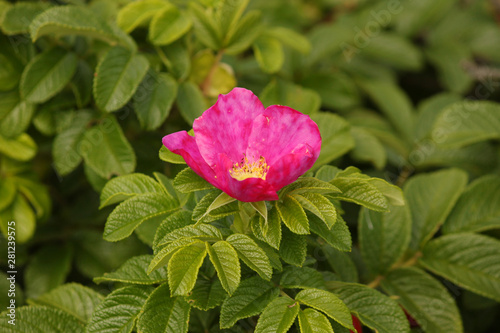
(326, 165)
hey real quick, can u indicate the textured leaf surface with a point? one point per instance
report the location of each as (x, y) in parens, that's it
(131, 213)
(106, 149)
(468, 260)
(328, 303)
(251, 254)
(17, 120)
(183, 268)
(338, 236)
(204, 232)
(425, 299)
(361, 192)
(70, 20)
(134, 271)
(137, 13)
(40, 319)
(269, 53)
(207, 294)
(293, 248)
(21, 148)
(478, 208)
(47, 74)
(118, 75)
(154, 98)
(375, 310)
(225, 260)
(251, 297)
(119, 310)
(17, 18)
(124, 187)
(278, 316)
(431, 198)
(188, 181)
(384, 237)
(302, 278)
(72, 298)
(467, 122)
(319, 206)
(312, 321)
(205, 27)
(163, 313)
(293, 215)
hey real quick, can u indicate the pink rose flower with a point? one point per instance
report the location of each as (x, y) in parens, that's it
(248, 151)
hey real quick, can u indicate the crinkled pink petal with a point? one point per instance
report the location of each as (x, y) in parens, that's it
(226, 126)
(247, 190)
(183, 144)
(279, 130)
(288, 168)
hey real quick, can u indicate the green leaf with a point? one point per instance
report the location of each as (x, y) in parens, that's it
(135, 271)
(244, 34)
(251, 297)
(312, 321)
(467, 122)
(17, 119)
(21, 148)
(119, 310)
(81, 84)
(338, 236)
(163, 313)
(309, 185)
(183, 268)
(10, 71)
(44, 319)
(205, 28)
(118, 75)
(319, 206)
(429, 109)
(328, 303)
(228, 14)
(139, 209)
(269, 53)
(167, 156)
(278, 316)
(17, 18)
(468, 260)
(138, 13)
(72, 298)
(47, 269)
(336, 90)
(154, 98)
(20, 212)
(168, 25)
(395, 51)
(293, 248)
(384, 237)
(179, 60)
(225, 260)
(394, 103)
(301, 278)
(361, 192)
(478, 208)
(37, 195)
(8, 191)
(210, 203)
(66, 149)
(284, 92)
(293, 215)
(374, 309)
(290, 38)
(336, 137)
(420, 16)
(341, 263)
(425, 299)
(106, 150)
(251, 254)
(368, 148)
(431, 198)
(205, 232)
(163, 256)
(124, 187)
(70, 20)
(47, 74)
(271, 231)
(177, 220)
(190, 101)
(207, 294)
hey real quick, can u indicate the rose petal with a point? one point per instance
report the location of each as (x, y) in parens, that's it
(279, 130)
(226, 126)
(183, 144)
(247, 190)
(288, 168)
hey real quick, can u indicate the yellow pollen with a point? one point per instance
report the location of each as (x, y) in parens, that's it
(257, 169)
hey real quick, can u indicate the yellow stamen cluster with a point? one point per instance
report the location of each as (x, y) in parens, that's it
(257, 169)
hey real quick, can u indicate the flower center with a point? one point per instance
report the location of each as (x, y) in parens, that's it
(245, 169)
